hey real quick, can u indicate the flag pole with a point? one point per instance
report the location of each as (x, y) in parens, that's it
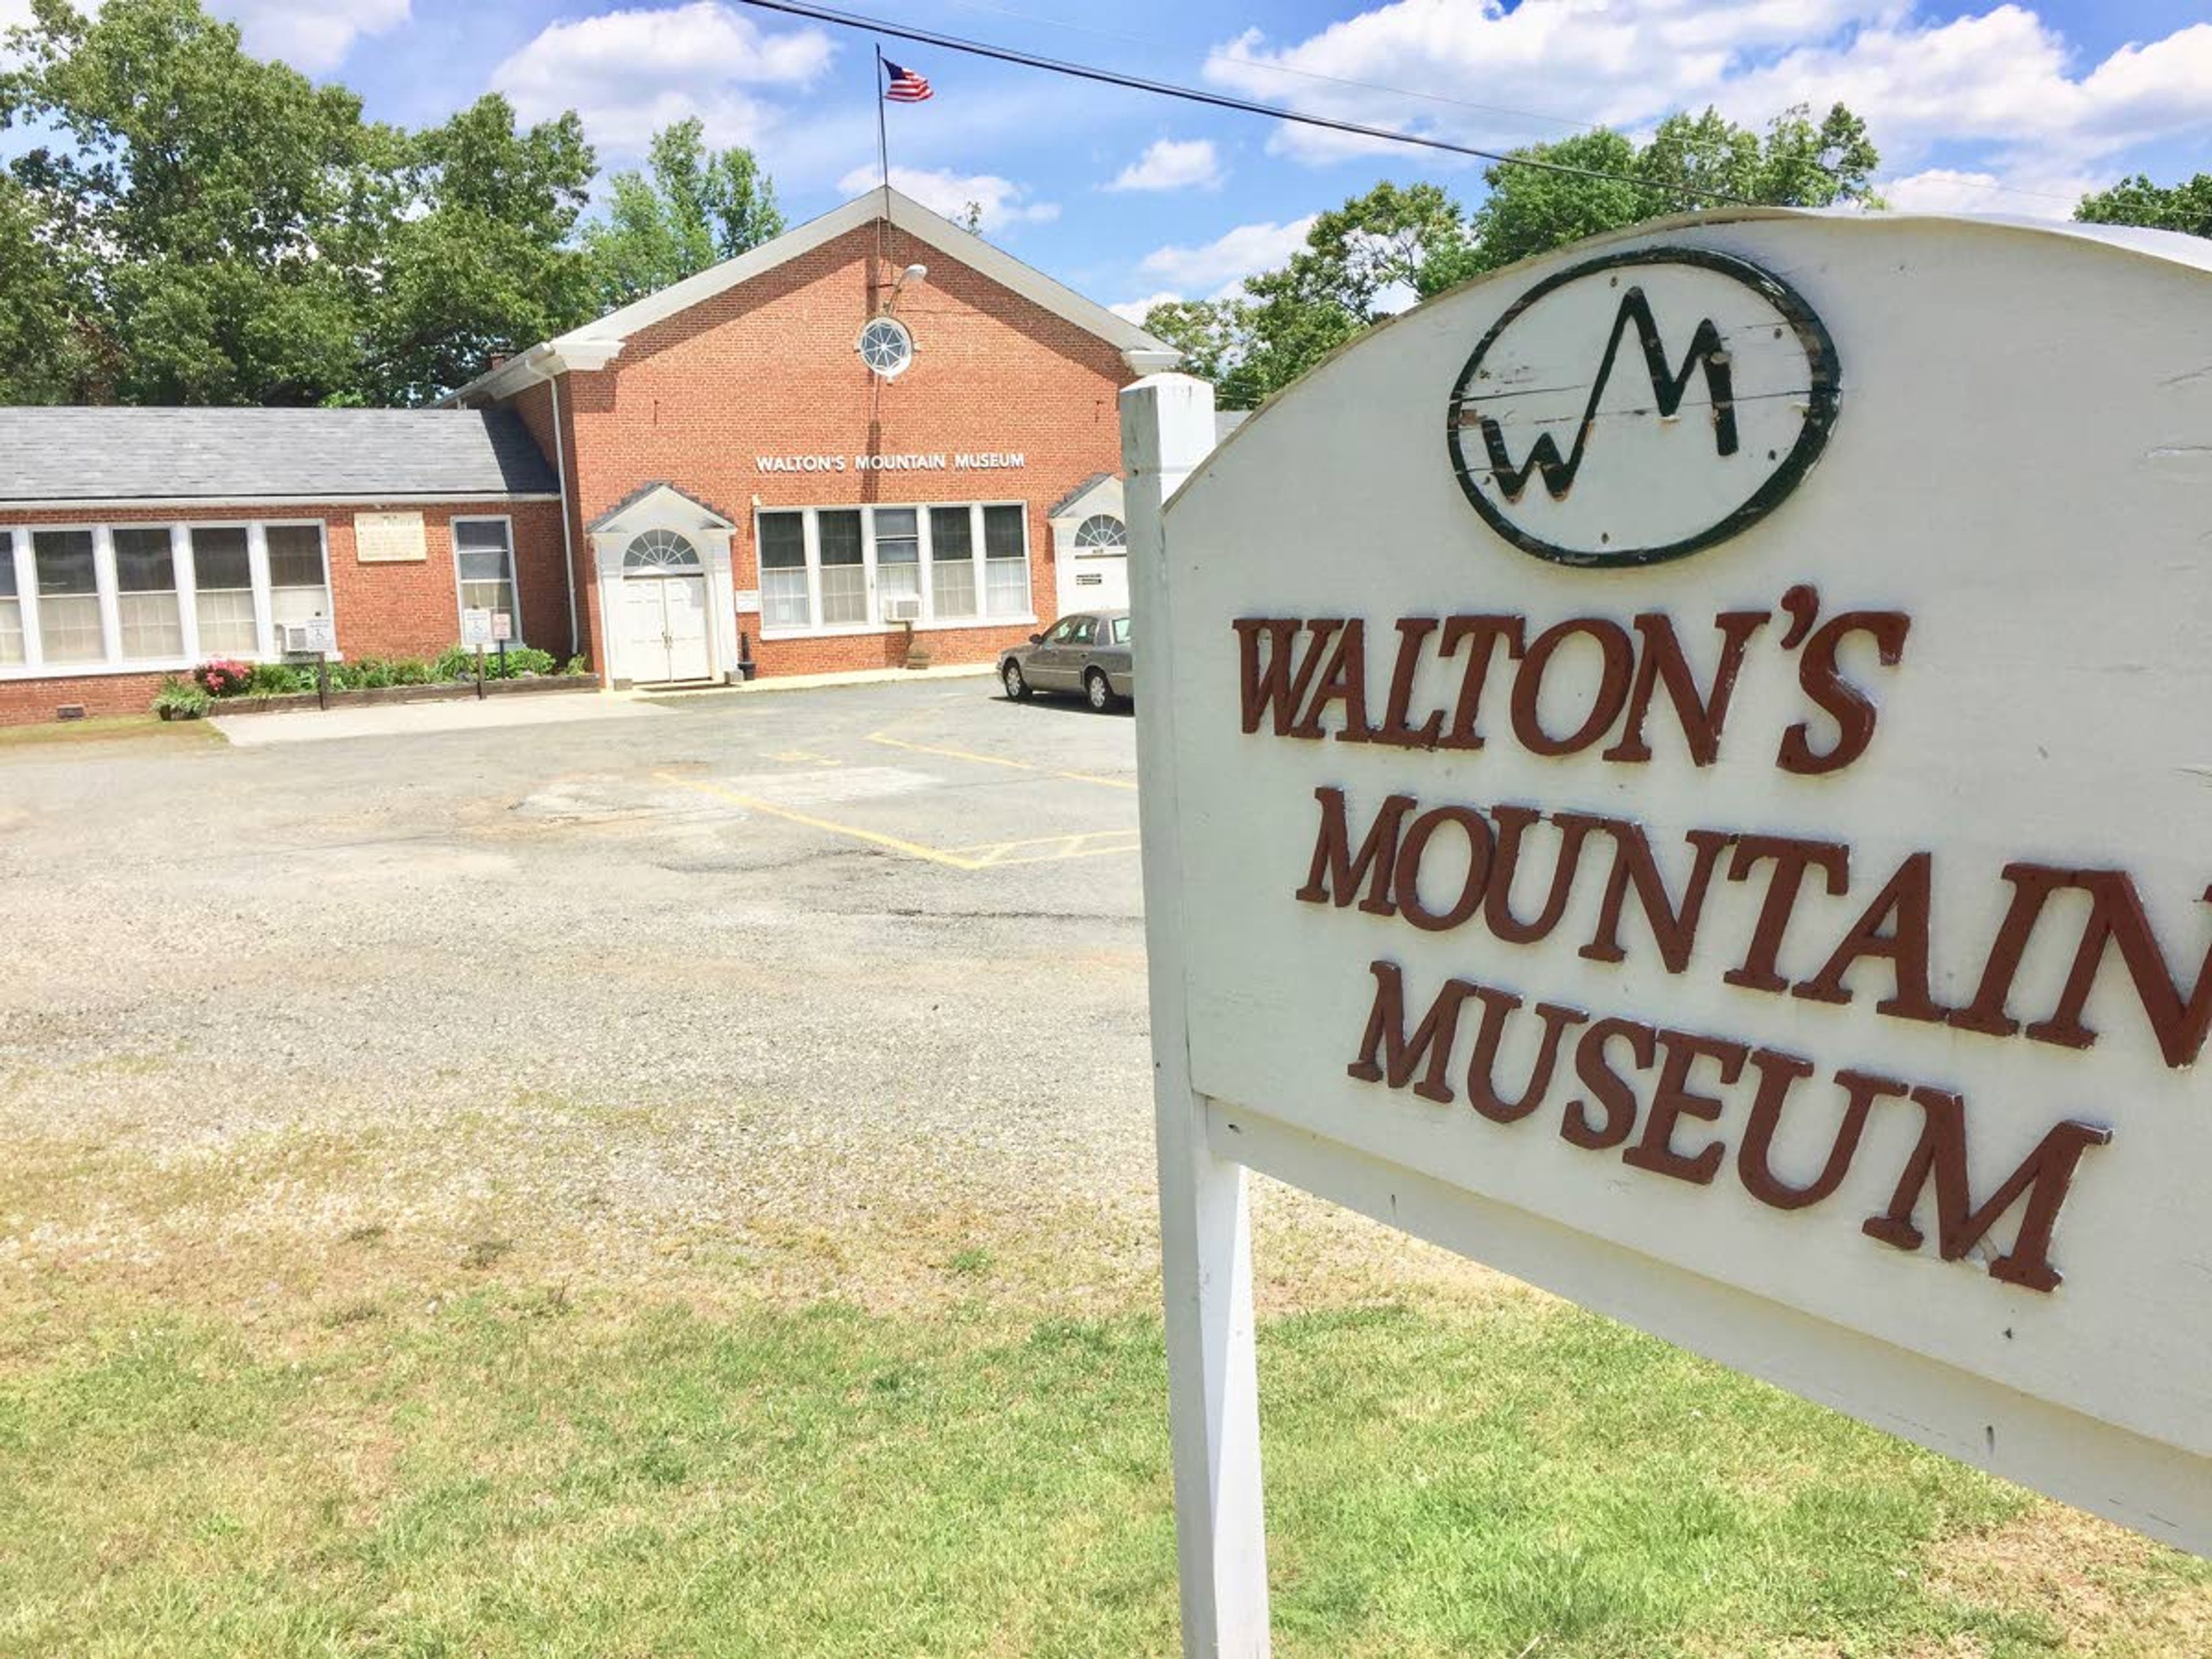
(884, 164)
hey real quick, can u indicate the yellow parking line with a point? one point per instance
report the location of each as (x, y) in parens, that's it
(998, 760)
(802, 757)
(991, 855)
(912, 849)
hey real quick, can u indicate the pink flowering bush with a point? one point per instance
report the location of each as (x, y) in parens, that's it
(223, 676)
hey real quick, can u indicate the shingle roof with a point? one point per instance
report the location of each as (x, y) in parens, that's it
(1076, 494)
(72, 455)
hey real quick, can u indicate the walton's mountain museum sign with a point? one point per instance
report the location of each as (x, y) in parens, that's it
(1688, 779)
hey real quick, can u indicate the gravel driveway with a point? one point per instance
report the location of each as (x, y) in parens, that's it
(762, 967)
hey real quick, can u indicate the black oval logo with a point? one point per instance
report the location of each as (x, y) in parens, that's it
(1582, 438)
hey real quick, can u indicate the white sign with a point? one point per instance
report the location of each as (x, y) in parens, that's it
(388, 537)
(476, 628)
(502, 627)
(318, 633)
(1727, 841)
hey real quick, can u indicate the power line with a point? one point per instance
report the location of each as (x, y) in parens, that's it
(1217, 101)
(1280, 68)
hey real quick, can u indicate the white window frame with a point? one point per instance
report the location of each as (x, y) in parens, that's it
(454, 540)
(15, 544)
(979, 556)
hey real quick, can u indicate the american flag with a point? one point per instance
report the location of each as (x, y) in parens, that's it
(906, 87)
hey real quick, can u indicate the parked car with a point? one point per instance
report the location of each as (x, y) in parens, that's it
(1086, 653)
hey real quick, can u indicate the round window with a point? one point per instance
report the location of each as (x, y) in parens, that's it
(661, 549)
(885, 347)
(1101, 529)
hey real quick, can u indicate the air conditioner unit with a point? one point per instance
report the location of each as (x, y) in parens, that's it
(903, 608)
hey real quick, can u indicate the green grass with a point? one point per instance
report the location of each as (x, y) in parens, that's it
(109, 728)
(511, 1472)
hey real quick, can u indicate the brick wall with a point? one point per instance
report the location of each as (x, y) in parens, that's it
(400, 610)
(768, 368)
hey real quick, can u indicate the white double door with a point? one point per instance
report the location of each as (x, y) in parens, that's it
(665, 629)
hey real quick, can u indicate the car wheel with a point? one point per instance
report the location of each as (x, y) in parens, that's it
(1098, 690)
(1011, 678)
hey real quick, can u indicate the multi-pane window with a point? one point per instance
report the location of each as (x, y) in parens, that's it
(69, 596)
(952, 563)
(299, 585)
(131, 596)
(146, 592)
(783, 571)
(863, 568)
(222, 591)
(484, 554)
(844, 571)
(898, 561)
(11, 606)
(1005, 561)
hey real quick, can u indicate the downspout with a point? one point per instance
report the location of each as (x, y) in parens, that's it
(568, 533)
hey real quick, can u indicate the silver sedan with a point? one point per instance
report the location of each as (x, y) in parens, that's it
(1086, 653)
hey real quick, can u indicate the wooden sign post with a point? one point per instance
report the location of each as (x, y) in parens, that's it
(1682, 770)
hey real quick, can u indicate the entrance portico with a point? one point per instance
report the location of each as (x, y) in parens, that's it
(663, 564)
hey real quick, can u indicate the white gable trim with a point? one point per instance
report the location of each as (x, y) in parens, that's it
(597, 344)
(1105, 495)
(663, 507)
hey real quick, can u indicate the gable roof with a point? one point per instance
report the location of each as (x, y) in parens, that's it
(637, 498)
(72, 455)
(1066, 506)
(596, 344)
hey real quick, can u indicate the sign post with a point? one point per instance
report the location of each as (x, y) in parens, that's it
(1679, 769)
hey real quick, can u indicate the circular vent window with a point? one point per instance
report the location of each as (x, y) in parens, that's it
(885, 347)
(1101, 529)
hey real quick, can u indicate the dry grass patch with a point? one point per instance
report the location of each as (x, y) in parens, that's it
(2106, 1591)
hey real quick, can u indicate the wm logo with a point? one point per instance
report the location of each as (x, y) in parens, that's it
(1707, 352)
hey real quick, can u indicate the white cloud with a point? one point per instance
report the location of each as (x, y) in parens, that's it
(1136, 310)
(2002, 80)
(1224, 262)
(2022, 195)
(1173, 164)
(630, 73)
(943, 190)
(311, 38)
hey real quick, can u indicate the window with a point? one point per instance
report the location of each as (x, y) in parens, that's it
(951, 562)
(11, 606)
(69, 596)
(1101, 529)
(146, 593)
(898, 559)
(661, 549)
(1005, 561)
(844, 575)
(222, 596)
(783, 571)
(843, 569)
(1117, 631)
(484, 561)
(885, 347)
(299, 586)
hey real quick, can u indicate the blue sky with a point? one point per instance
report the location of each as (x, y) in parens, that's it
(2009, 109)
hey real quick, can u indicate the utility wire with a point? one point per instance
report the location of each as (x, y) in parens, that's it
(1217, 101)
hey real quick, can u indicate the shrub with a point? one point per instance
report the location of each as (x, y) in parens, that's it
(276, 679)
(458, 662)
(575, 666)
(222, 677)
(180, 700)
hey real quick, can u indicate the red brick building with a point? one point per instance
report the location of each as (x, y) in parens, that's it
(833, 451)
(798, 456)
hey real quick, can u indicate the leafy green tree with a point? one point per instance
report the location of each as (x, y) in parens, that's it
(1691, 161)
(2184, 207)
(691, 208)
(43, 357)
(201, 206)
(1214, 337)
(476, 252)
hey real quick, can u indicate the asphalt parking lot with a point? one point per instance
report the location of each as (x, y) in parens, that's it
(798, 960)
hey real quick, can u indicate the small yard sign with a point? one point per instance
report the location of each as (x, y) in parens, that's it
(1682, 770)
(502, 627)
(476, 628)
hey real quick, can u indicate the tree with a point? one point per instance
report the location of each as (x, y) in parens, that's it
(2184, 207)
(477, 249)
(691, 208)
(1399, 243)
(1691, 161)
(200, 206)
